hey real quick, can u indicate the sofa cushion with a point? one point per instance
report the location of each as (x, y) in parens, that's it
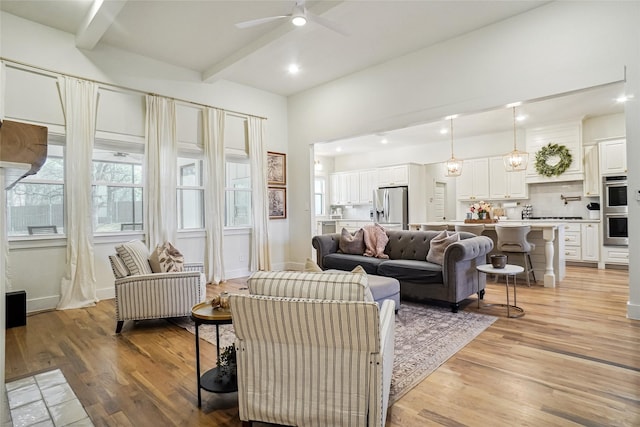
(349, 262)
(343, 286)
(411, 270)
(352, 243)
(439, 244)
(135, 256)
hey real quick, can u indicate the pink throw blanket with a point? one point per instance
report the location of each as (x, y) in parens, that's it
(375, 240)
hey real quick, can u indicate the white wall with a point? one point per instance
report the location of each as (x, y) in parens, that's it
(39, 46)
(556, 48)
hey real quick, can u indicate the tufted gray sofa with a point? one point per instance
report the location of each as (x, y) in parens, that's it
(452, 282)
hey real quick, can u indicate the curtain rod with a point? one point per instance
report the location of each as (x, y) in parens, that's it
(127, 88)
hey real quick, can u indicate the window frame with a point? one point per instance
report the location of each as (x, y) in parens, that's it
(200, 188)
(242, 159)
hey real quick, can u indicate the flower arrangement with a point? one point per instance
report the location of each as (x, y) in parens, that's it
(480, 208)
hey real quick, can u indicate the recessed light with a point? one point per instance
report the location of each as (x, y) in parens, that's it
(293, 69)
(521, 117)
(444, 131)
(339, 149)
(299, 20)
(384, 141)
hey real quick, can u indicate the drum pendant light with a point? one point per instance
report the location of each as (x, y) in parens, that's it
(453, 166)
(515, 160)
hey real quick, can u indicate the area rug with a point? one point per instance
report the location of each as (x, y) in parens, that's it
(425, 337)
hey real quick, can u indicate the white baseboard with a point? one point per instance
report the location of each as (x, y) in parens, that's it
(633, 311)
(42, 304)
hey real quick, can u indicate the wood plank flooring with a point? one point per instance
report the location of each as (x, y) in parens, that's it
(573, 359)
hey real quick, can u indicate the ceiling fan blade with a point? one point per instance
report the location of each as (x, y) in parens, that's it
(260, 21)
(326, 23)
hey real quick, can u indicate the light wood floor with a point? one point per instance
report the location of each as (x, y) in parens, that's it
(573, 359)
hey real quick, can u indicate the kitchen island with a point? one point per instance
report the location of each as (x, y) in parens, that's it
(548, 257)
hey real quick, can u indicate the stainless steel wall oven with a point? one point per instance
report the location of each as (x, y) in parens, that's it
(615, 211)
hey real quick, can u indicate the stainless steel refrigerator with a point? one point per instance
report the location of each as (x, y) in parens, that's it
(391, 207)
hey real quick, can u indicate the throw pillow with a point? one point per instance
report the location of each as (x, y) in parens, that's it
(120, 270)
(166, 258)
(135, 256)
(311, 267)
(439, 244)
(352, 244)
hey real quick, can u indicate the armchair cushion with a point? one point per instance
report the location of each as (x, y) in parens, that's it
(120, 270)
(135, 256)
(166, 258)
(343, 286)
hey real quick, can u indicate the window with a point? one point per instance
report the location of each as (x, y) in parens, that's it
(319, 192)
(117, 191)
(237, 193)
(38, 200)
(190, 197)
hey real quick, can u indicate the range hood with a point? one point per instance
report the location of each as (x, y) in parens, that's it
(22, 144)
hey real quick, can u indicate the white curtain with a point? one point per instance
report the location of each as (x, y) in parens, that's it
(79, 102)
(161, 165)
(260, 259)
(214, 199)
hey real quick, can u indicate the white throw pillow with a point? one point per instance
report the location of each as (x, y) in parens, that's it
(439, 244)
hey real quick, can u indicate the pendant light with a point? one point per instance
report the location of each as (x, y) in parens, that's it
(453, 166)
(515, 160)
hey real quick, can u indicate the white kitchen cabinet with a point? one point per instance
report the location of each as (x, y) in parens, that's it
(503, 184)
(613, 157)
(473, 183)
(572, 242)
(567, 134)
(615, 255)
(368, 183)
(393, 175)
(344, 188)
(582, 242)
(590, 241)
(590, 162)
(351, 225)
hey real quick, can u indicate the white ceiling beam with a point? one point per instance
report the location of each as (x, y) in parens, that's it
(97, 22)
(217, 70)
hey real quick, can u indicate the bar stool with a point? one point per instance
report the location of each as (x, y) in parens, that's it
(513, 239)
(476, 229)
(434, 227)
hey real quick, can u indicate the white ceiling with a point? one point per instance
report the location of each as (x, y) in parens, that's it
(575, 106)
(200, 35)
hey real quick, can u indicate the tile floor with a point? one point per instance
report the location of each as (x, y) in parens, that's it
(44, 400)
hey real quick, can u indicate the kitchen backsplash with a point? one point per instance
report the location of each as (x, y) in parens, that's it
(546, 201)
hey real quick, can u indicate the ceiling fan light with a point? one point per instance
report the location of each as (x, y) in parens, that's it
(299, 20)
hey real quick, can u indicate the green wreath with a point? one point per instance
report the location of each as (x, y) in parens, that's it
(552, 150)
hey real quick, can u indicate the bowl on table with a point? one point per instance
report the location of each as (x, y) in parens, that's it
(498, 261)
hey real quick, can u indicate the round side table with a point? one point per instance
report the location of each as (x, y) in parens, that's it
(211, 380)
(509, 270)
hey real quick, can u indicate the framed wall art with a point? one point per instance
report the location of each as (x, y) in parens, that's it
(276, 168)
(277, 203)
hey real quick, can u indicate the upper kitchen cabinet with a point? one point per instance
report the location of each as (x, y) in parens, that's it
(473, 183)
(591, 184)
(504, 184)
(613, 156)
(568, 135)
(344, 188)
(391, 176)
(368, 183)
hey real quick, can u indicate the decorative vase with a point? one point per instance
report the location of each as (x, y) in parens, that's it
(482, 215)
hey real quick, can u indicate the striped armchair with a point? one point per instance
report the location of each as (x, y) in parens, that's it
(311, 351)
(149, 295)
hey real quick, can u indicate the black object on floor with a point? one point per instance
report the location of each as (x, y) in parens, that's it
(16, 304)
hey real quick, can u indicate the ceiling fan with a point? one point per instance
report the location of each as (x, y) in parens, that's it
(299, 16)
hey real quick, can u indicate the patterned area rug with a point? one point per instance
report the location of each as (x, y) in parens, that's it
(425, 337)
